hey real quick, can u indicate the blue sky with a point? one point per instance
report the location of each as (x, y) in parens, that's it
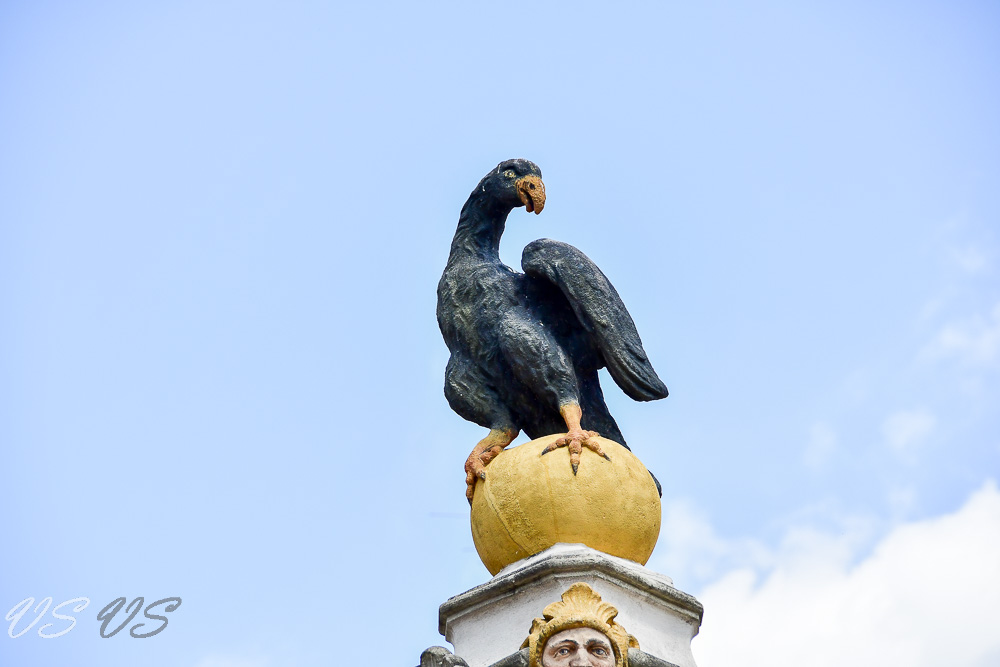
(222, 225)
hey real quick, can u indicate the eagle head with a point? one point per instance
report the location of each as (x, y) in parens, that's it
(516, 183)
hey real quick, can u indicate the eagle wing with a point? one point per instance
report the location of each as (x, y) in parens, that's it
(601, 313)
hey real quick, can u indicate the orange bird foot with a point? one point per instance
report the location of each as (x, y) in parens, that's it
(576, 440)
(484, 452)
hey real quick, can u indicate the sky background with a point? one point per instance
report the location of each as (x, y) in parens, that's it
(221, 229)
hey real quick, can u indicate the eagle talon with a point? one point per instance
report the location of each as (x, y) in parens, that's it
(485, 451)
(490, 454)
(575, 440)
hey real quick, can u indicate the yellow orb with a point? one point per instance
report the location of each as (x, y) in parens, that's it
(530, 502)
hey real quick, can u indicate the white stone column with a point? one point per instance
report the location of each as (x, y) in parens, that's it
(489, 622)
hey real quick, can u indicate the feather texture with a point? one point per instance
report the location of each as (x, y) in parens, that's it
(524, 345)
(600, 311)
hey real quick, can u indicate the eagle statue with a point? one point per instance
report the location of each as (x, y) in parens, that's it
(526, 347)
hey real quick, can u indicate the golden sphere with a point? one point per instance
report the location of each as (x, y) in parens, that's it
(530, 502)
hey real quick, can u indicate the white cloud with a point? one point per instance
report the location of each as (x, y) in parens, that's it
(693, 552)
(975, 341)
(902, 499)
(822, 443)
(970, 259)
(906, 428)
(925, 596)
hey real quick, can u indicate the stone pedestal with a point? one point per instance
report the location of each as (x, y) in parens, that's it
(489, 622)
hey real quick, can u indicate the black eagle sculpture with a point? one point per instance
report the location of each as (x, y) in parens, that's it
(526, 347)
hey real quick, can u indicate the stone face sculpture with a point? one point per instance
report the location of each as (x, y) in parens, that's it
(580, 608)
(526, 347)
(578, 647)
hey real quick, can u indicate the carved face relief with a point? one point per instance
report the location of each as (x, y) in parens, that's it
(578, 647)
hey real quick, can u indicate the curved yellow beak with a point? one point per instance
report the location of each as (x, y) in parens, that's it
(531, 190)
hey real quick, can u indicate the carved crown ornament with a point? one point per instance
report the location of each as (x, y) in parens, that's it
(580, 607)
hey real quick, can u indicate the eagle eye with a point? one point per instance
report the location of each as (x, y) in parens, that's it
(509, 173)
